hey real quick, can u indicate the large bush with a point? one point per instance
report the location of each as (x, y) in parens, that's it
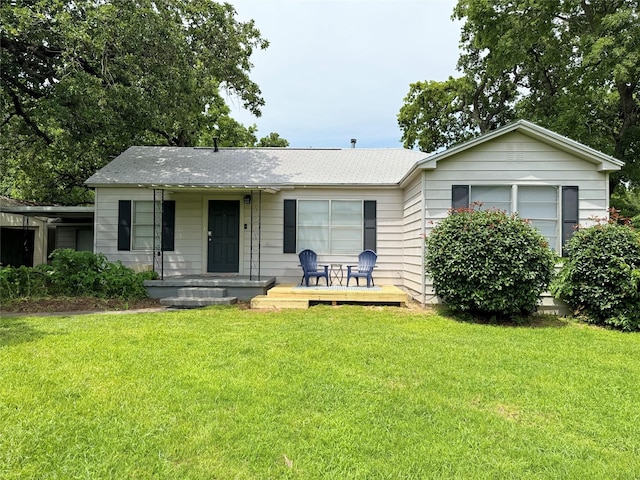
(488, 263)
(600, 277)
(74, 274)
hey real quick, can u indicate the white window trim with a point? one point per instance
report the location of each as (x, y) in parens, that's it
(331, 228)
(135, 225)
(514, 204)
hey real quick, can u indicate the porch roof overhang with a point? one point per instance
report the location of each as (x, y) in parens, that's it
(210, 188)
(49, 211)
(272, 189)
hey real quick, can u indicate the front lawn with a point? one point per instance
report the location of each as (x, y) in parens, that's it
(338, 393)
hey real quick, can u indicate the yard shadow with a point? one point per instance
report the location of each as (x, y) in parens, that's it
(14, 331)
(538, 320)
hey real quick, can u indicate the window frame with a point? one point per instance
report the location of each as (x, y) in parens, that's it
(136, 226)
(331, 228)
(367, 229)
(462, 198)
(127, 227)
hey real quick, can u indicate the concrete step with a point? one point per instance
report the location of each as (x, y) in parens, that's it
(202, 292)
(196, 302)
(265, 301)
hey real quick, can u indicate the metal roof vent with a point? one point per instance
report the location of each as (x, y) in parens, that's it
(353, 142)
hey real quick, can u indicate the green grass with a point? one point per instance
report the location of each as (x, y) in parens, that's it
(339, 393)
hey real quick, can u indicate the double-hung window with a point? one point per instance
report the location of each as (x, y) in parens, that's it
(329, 226)
(142, 226)
(539, 205)
(136, 228)
(550, 209)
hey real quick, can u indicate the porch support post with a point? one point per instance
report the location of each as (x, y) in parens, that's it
(158, 220)
(256, 235)
(25, 242)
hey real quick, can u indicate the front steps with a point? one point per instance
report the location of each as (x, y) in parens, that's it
(244, 288)
(195, 297)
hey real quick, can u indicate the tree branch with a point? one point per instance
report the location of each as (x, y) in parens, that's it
(20, 111)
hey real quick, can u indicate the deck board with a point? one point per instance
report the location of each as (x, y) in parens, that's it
(295, 296)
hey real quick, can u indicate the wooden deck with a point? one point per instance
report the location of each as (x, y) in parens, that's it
(298, 296)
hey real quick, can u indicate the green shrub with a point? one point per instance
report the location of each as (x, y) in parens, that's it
(87, 274)
(74, 274)
(20, 282)
(119, 281)
(600, 277)
(488, 263)
(626, 201)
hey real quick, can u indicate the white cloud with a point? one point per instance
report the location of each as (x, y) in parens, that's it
(337, 70)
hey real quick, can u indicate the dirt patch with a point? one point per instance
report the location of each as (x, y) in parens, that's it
(76, 304)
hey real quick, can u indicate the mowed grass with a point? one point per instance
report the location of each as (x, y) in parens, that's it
(340, 393)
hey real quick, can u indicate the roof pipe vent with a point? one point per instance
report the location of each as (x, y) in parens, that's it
(215, 144)
(353, 142)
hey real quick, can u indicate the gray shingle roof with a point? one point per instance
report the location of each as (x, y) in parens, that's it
(256, 167)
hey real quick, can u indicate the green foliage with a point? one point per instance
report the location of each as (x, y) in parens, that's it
(570, 66)
(84, 80)
(74, 274)
(436, 115)
(627, 203)
(19, 282)
(489, 263)
(85, 273)
(273, 140)
(600, 278)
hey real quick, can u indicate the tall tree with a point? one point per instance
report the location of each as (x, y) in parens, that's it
(436, 115)
(83, 80)
(570, 65)
(273, 140)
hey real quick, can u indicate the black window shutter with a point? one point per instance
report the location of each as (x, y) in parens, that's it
(124, 225)
(570, 214)
(168, 225)
(370, 208)
(289, 244)
(459, 196)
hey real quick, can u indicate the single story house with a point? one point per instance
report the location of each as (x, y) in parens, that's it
(249, 211)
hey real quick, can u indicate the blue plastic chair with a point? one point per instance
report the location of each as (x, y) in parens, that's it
(309, 264)
(366, 264)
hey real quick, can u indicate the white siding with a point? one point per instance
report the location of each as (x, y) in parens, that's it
(285, 266)
(413, 242)
(513, 158)
(516, 159)
(106, 225)
(189, 257)
(190, 233)
(66, 237)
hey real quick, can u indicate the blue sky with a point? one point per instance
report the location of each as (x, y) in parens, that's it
(337, 70)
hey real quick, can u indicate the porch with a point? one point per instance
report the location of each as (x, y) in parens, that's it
(299, 296)
(194, 291)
